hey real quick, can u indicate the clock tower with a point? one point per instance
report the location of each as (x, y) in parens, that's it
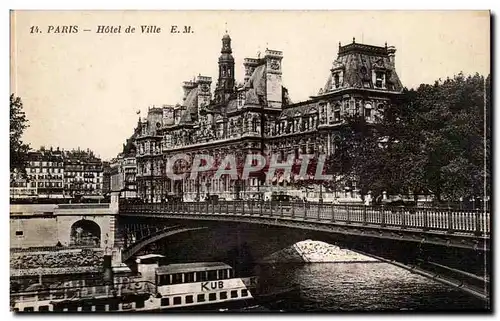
(225, 84)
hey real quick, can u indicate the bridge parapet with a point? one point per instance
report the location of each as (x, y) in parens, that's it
(465, 229)
(83, 209)
(465, 222)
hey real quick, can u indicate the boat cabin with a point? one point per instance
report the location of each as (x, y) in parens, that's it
(193, 272)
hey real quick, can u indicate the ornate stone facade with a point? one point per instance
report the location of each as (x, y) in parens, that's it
(258, 117)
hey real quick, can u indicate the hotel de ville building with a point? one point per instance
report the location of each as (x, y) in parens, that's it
(257, 116)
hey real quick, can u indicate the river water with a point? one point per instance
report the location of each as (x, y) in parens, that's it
(359, 287)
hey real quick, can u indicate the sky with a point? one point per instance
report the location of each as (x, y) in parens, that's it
(84, 89)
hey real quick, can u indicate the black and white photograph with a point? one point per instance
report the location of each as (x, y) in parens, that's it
(250, 161)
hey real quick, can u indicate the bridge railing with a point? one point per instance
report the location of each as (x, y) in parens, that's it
(83, 206)
(475, 222)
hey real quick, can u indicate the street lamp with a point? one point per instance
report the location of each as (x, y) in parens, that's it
(207, 184)
(197, 188)
(152, 169)
(320, 183)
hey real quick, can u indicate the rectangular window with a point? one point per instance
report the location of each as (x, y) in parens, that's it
(87, 307)
(176, 278)
(336, 115)
(222, 274)
(189, 299)
(212, 275)
(164, 302)
(212, 297)
(244, 292)
(19, 233)
(282, 155)
(43, 308)
(59, 308)
(368, 113)
(200, 298)
(189, 277)
(139, 304)
(29, 309)
(223, 295)
(177, 300)
(164, 279)
(234, 294)
(113, 306)
(100, 307)
(75, 307)
(379, 79)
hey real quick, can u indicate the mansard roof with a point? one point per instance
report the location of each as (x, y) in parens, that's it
(300, 109)
(257, 80)
(191, 105)
(358, 61)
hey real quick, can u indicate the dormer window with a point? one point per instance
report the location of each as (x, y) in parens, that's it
(379, 79)
(336, 80)
(241, 99)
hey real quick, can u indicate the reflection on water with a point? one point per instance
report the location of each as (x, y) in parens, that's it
(360, 287)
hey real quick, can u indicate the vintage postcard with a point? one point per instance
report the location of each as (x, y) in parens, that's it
(250, 161)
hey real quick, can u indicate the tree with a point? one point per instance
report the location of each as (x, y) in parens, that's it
(448, 131)
(432, 140)
(361, 155)
(18, 149)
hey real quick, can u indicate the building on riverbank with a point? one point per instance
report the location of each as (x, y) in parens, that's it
(257, 116)
(59, 174)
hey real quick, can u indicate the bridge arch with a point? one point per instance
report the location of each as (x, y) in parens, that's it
(416, 240)
(158, 235)
(67, 226)
(85, 233)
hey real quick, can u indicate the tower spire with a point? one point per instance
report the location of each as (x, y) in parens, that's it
(226, 44)
(226, 79)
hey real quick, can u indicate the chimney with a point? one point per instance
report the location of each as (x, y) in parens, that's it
(273, 78)
(204, 94)
(188, 86)
(249, 64)
(168, 115)
(391, 51)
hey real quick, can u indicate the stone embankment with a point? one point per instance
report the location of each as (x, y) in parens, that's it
(65, 261)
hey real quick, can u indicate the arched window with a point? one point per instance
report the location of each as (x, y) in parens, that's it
(368, 111)
(254, 124)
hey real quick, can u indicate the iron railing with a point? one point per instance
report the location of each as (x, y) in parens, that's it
(117, 289)
(466, 222)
